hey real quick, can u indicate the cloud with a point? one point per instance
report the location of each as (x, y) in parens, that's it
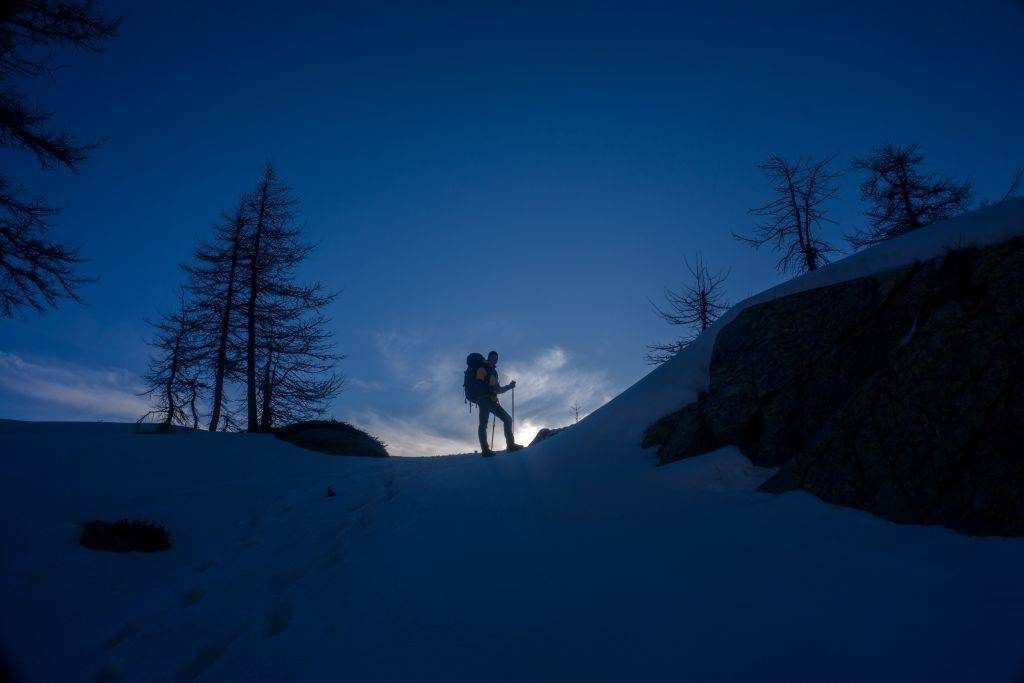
(66, 391)
(412, 436)
(547, 386)
(396, 349)
(367, 385)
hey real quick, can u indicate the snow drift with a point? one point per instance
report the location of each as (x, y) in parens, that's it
(576, 559)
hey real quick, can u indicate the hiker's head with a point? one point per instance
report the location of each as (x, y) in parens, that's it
(492, 357)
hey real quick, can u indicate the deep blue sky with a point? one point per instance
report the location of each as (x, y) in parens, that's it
(516, 176)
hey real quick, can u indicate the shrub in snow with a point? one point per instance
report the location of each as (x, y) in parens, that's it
(125, 536)
(333, 437)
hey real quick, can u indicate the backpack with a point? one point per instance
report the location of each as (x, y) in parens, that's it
(473, 387)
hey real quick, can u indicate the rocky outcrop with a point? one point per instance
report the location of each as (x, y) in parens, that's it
(899, 393)
(547, 433)
(332, 437)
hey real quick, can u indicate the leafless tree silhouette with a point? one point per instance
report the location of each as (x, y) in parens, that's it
(37, 271)
(171, 379)
(1015, 183)
(901, 197)
(696, 305)
(1012, 190)
(792, 221)
(246, 323)
(215, 285)
(297, 377)
(288, 352)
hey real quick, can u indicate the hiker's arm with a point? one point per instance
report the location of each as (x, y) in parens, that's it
(510, 385)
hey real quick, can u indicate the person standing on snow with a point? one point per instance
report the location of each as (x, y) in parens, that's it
(482, 388)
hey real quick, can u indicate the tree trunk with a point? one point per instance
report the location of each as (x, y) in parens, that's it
(254, 286)
(266, 412)
(908, 206)
(172, 376)
(250, 364)
(225, 324)
(194, 409)
(802, 229)
(811, 259)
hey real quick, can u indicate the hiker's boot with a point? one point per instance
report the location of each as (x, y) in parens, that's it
(487, 453)
(514, 447)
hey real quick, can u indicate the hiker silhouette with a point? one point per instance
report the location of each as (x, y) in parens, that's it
(482, 388)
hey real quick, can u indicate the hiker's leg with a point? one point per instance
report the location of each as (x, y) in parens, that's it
(481, 431)
(506, 420)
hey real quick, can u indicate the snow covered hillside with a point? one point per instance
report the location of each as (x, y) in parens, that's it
(576, 559)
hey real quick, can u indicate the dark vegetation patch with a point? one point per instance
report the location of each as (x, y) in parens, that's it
(152, 423)
(125, 536)
(332, 437)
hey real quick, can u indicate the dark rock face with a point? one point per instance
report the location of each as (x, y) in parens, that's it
(332, 437)
(900, 393)
(683, 433)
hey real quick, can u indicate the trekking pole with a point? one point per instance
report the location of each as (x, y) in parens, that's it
(513, 408)
(492, 431)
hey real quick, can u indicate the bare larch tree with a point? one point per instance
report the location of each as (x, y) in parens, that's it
(1012, 190)
(297, 377)
(574, 409)
(246, 322)
(694, 307)
(172, 378)
(193, 388)
(793, 220)
(901, 197)
(288, 352)
(37, 271)
(214, 281)
(1015, 185)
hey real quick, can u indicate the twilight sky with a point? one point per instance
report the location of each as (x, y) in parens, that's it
(517, 176)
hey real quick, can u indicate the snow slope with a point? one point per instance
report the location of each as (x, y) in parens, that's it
(574, 560)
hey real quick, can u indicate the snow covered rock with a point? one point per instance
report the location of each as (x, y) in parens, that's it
(899, 393)
(547, 433)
